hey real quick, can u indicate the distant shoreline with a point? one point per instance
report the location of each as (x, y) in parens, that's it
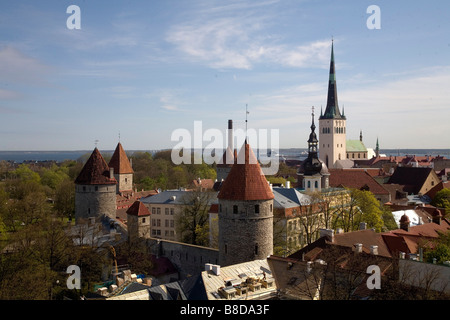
(59, 156)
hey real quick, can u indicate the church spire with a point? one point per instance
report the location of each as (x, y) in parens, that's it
(332, 109)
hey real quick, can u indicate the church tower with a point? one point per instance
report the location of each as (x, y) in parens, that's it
(332, 124)
(95, 189)
(123, 172)
(245, 212)
(313, 174)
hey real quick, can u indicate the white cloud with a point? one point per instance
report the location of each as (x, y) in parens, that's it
(18, 67)
(235, 38)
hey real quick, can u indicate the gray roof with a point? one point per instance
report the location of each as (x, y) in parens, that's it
(166, 197)
(289, 198)
(176, 197)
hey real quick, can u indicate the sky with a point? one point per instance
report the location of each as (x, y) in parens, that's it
(136, 71)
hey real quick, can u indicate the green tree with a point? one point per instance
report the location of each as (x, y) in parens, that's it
(193, 219)
(442, 200)
(439, 249)
(64, 204)
(54, 176)
(362, 206)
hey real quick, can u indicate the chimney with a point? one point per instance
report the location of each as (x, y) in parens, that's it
(362, 226)
(111, 173)
(436, 216)
(216, 269)
(208, 267)
(401, 255)
(404, 222)
(374, 250)
(288, 184)
(230, 135)
(328, 233)
(358, 247)
(309, 266)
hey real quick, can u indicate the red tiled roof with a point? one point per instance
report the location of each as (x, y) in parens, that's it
(138, 209)
(355, 179)
(119, 161)
(366, 237)
(408, 241)
(245, 181)
(95, 171)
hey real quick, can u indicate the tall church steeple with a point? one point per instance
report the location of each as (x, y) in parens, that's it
(332, 124)
(332, 110)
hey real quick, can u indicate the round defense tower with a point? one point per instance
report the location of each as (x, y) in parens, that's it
(245, 212)
(95, 189)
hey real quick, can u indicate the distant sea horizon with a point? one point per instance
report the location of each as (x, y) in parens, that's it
(289, 153)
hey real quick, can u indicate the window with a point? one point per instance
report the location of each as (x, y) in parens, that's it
(143, 220)
(309, 184)
(316, 184)
(166, 211)
(171, 211)
(271, 208)
(153, 210)
(235, 209)
(172, 223)
(256, 208)
(256, 249)
(158, 210)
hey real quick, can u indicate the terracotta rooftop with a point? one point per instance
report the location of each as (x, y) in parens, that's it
(138, 209)
(119, 161)
(356, 179)
(245, 181)
(95, 171)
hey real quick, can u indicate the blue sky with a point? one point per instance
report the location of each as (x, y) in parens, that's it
(147, 68)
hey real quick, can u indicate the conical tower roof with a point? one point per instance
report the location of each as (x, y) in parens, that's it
(138, 209)
(95, 171)
(246, 181)
(119, 161)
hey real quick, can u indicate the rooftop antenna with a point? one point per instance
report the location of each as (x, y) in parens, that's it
(119, 136)
(96, 143)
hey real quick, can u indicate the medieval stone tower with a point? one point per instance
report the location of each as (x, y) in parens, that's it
(138, 221)
(332, 124)
(123, 172)
(245, 212)
(95, 189)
